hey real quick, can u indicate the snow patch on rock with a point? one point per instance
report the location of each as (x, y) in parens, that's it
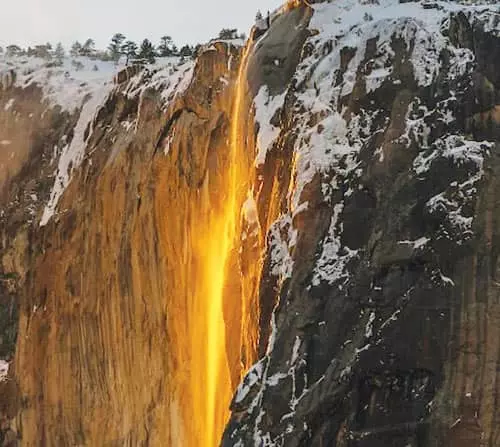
(4, 370)
(455, 148)
(65, 86)
(266, 107)
(170, 76)
(281, 233)
(253, 376)
(73, 153)
(9, 104)
(332, 261)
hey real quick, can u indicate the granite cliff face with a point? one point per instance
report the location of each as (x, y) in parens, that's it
(292, 242)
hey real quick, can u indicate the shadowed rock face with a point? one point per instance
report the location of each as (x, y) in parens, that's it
(385, 328)
(369, 238)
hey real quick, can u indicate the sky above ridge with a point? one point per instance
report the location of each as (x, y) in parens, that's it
(28, 22)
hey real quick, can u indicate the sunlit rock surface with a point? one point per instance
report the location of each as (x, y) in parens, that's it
(295, 240)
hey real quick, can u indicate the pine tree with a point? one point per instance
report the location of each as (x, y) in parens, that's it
(42, 51)
(228, 34)
(88, 48)
(116, 46)
(147, 51)
(76, 49)
(59, 54)
(164, 49)
(129, 48)
(196, 50)
(13, 50)
(186, 51)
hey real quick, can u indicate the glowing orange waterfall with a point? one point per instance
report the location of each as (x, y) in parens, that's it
(203, 372)
(221, 242)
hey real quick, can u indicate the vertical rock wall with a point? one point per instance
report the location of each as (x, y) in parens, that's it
(381, 264)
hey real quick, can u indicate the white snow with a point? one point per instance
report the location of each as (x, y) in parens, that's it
(375, 79)
(491, 22)
(456, 148)
(280, 233)
(171, 76)
(453, 211)
(274, 331)
(343, 22)
(168, 142)
(392, 318)
(317, 151)
(127, 125)
(369, 325)
(295, 350)
(452, 201)
(4, 370)
(363, 348)
(9, 104)
(446, 280)
(250, 216)
(249, 210)
(253, 376)
(266, 107)
(275, 378)
(331, 264)
(72, 154)
(65, 86)
(418, 243)
(177, 83)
